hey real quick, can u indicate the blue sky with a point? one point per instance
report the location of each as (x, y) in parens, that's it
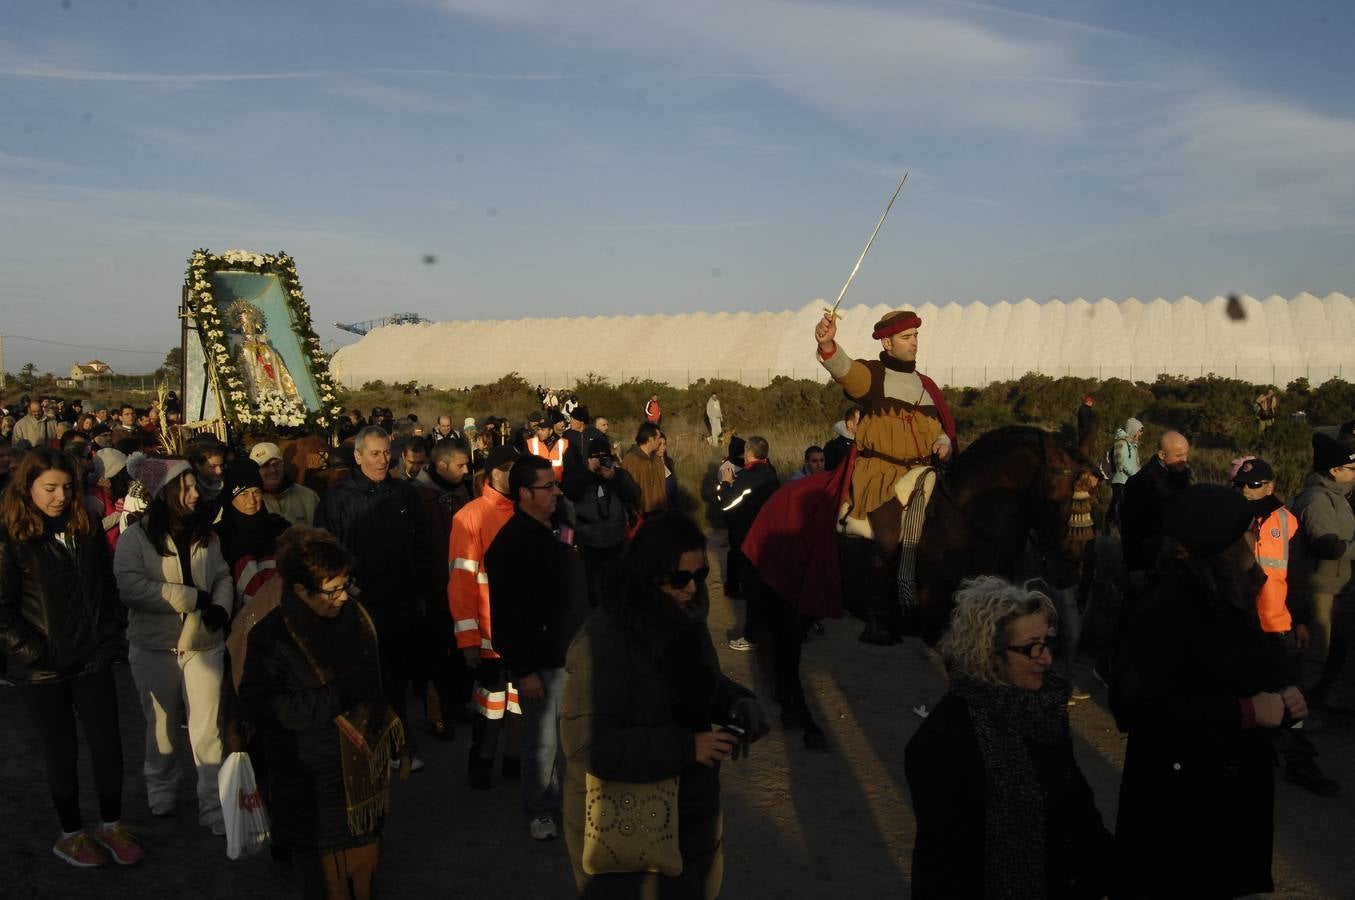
(585, 158)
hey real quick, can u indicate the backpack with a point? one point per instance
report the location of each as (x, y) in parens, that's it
(1108, 462)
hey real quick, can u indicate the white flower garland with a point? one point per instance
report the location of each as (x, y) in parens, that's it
(271, 409)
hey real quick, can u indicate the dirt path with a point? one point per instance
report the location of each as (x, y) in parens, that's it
(799, 823)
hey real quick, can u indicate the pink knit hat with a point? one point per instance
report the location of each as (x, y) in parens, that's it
(154, 472)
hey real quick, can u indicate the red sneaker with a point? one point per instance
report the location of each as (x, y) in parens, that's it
(121, 844)
(80, 850)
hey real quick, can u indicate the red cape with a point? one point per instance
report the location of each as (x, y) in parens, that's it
(793, 541)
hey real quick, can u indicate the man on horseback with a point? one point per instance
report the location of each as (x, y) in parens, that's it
(905, 424)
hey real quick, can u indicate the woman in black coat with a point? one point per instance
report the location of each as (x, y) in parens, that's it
(1002, 808)
(1201, 691)
(643, 689)
(59, 628)
(312, 688)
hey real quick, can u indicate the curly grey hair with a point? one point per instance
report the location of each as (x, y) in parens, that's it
(977, 638)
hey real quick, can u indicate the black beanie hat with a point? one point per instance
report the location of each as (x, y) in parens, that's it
(1330, 452)
(1207, 519)
(241, 475)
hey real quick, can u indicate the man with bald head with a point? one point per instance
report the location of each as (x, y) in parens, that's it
(1145, 503)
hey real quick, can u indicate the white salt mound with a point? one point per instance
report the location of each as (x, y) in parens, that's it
(1276, 341)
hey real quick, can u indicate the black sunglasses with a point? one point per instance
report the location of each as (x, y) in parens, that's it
(680, 578)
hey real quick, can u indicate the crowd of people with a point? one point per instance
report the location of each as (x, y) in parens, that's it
(538, 582)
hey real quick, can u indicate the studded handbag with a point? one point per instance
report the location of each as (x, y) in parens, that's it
(631, 827)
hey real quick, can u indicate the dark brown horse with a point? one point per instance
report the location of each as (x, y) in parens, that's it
(1005, 508)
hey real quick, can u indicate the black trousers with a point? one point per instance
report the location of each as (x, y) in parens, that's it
(52, 708)
(398, 643)
(443, 675)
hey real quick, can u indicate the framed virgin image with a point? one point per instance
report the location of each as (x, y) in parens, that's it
(251, 357)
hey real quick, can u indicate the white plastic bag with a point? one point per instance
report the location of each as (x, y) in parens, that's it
(242, 805)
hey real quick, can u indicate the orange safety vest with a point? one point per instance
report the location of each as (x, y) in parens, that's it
(556, 454)
(1272, 553)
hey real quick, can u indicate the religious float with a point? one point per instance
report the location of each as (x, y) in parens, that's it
(253, 368)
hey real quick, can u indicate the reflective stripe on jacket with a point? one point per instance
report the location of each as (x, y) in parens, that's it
(1272, 553)
(555, 455)
(474, 528)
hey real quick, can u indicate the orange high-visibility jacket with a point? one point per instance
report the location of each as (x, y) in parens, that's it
(556, 454)
(1272, 552)
(473, 529)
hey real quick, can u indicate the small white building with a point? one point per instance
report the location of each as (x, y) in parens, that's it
(93, 369)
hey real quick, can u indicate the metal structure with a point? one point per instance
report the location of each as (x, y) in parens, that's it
(401, 318)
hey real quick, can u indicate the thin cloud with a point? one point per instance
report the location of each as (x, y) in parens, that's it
(846, 60)
(65, 74)
(196, 78)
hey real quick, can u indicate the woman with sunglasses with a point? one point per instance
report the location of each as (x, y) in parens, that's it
(1002, 808)
(643, 696)
(312, 686)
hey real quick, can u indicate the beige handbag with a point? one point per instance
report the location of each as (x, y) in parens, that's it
(631, 827)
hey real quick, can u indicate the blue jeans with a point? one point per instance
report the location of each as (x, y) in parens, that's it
(543, 760)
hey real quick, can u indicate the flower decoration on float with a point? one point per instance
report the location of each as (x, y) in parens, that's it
(269, 409)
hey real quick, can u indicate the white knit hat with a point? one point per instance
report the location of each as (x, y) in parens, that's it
(108, 462)
(154, 472)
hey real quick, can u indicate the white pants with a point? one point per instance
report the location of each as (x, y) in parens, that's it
(715, 431)
(165, 679)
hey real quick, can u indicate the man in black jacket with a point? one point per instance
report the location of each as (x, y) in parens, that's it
(740, 500)
(1145, 503)
(1142, 512)
(379, 519)
(538, 601)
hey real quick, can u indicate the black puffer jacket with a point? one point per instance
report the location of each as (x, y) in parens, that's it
(58, 610)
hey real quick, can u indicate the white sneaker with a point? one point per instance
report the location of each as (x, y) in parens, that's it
(414, 766)
(742, 644)
(162, 808)
(543, 828)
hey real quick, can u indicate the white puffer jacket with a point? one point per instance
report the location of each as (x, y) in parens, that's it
(163, 610)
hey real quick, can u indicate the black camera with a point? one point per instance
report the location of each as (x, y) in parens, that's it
(605, 460)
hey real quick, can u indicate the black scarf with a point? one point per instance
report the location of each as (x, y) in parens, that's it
(1007, 720)
(897, 365)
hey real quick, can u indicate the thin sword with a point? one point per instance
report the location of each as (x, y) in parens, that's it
(860, 259)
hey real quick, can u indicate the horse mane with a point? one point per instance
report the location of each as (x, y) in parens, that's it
(998, 444)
